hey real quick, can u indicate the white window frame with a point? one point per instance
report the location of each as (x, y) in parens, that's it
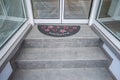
(114, 41)
(93, 20)
(16, 36)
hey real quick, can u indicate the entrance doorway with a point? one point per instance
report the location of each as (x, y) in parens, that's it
(61, 11)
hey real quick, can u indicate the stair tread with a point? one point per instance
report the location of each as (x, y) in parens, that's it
(85, 32)
(59, 54)
(63, 74)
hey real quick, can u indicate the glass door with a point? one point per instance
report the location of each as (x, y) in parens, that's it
(47, 11)
(76, 11)
(61, 11)
(11, 18)
(109, 16)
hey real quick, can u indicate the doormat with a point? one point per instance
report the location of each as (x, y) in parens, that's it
(58, 31)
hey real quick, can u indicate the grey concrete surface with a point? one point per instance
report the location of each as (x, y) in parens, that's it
(63, 74)
(84, 38)
(38, 58)
(85, 32)
(76, 57)
(50, 54)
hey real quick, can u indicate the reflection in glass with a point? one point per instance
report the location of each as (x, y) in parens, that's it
(109, 16)
(1, 10)
(2, 15)
(11, 17)
(46, 9)
(77, 9)
(12, 10)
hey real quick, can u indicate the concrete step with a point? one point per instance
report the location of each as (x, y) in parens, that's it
(84, 38)
(37, 58)
(63, 74)
(60, 43)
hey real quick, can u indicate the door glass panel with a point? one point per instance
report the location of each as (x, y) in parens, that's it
(12, 16)
(109, 16)
(16, 11)
(77, 9)
(2, 15)
(46, 9)
(1, 9)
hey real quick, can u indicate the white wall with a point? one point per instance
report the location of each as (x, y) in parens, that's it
(115, 66)
(6, 72)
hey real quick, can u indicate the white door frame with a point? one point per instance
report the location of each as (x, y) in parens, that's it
(61, 17)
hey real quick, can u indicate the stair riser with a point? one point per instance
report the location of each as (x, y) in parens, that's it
(63, 74)
(62, 64)
(60, 43)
